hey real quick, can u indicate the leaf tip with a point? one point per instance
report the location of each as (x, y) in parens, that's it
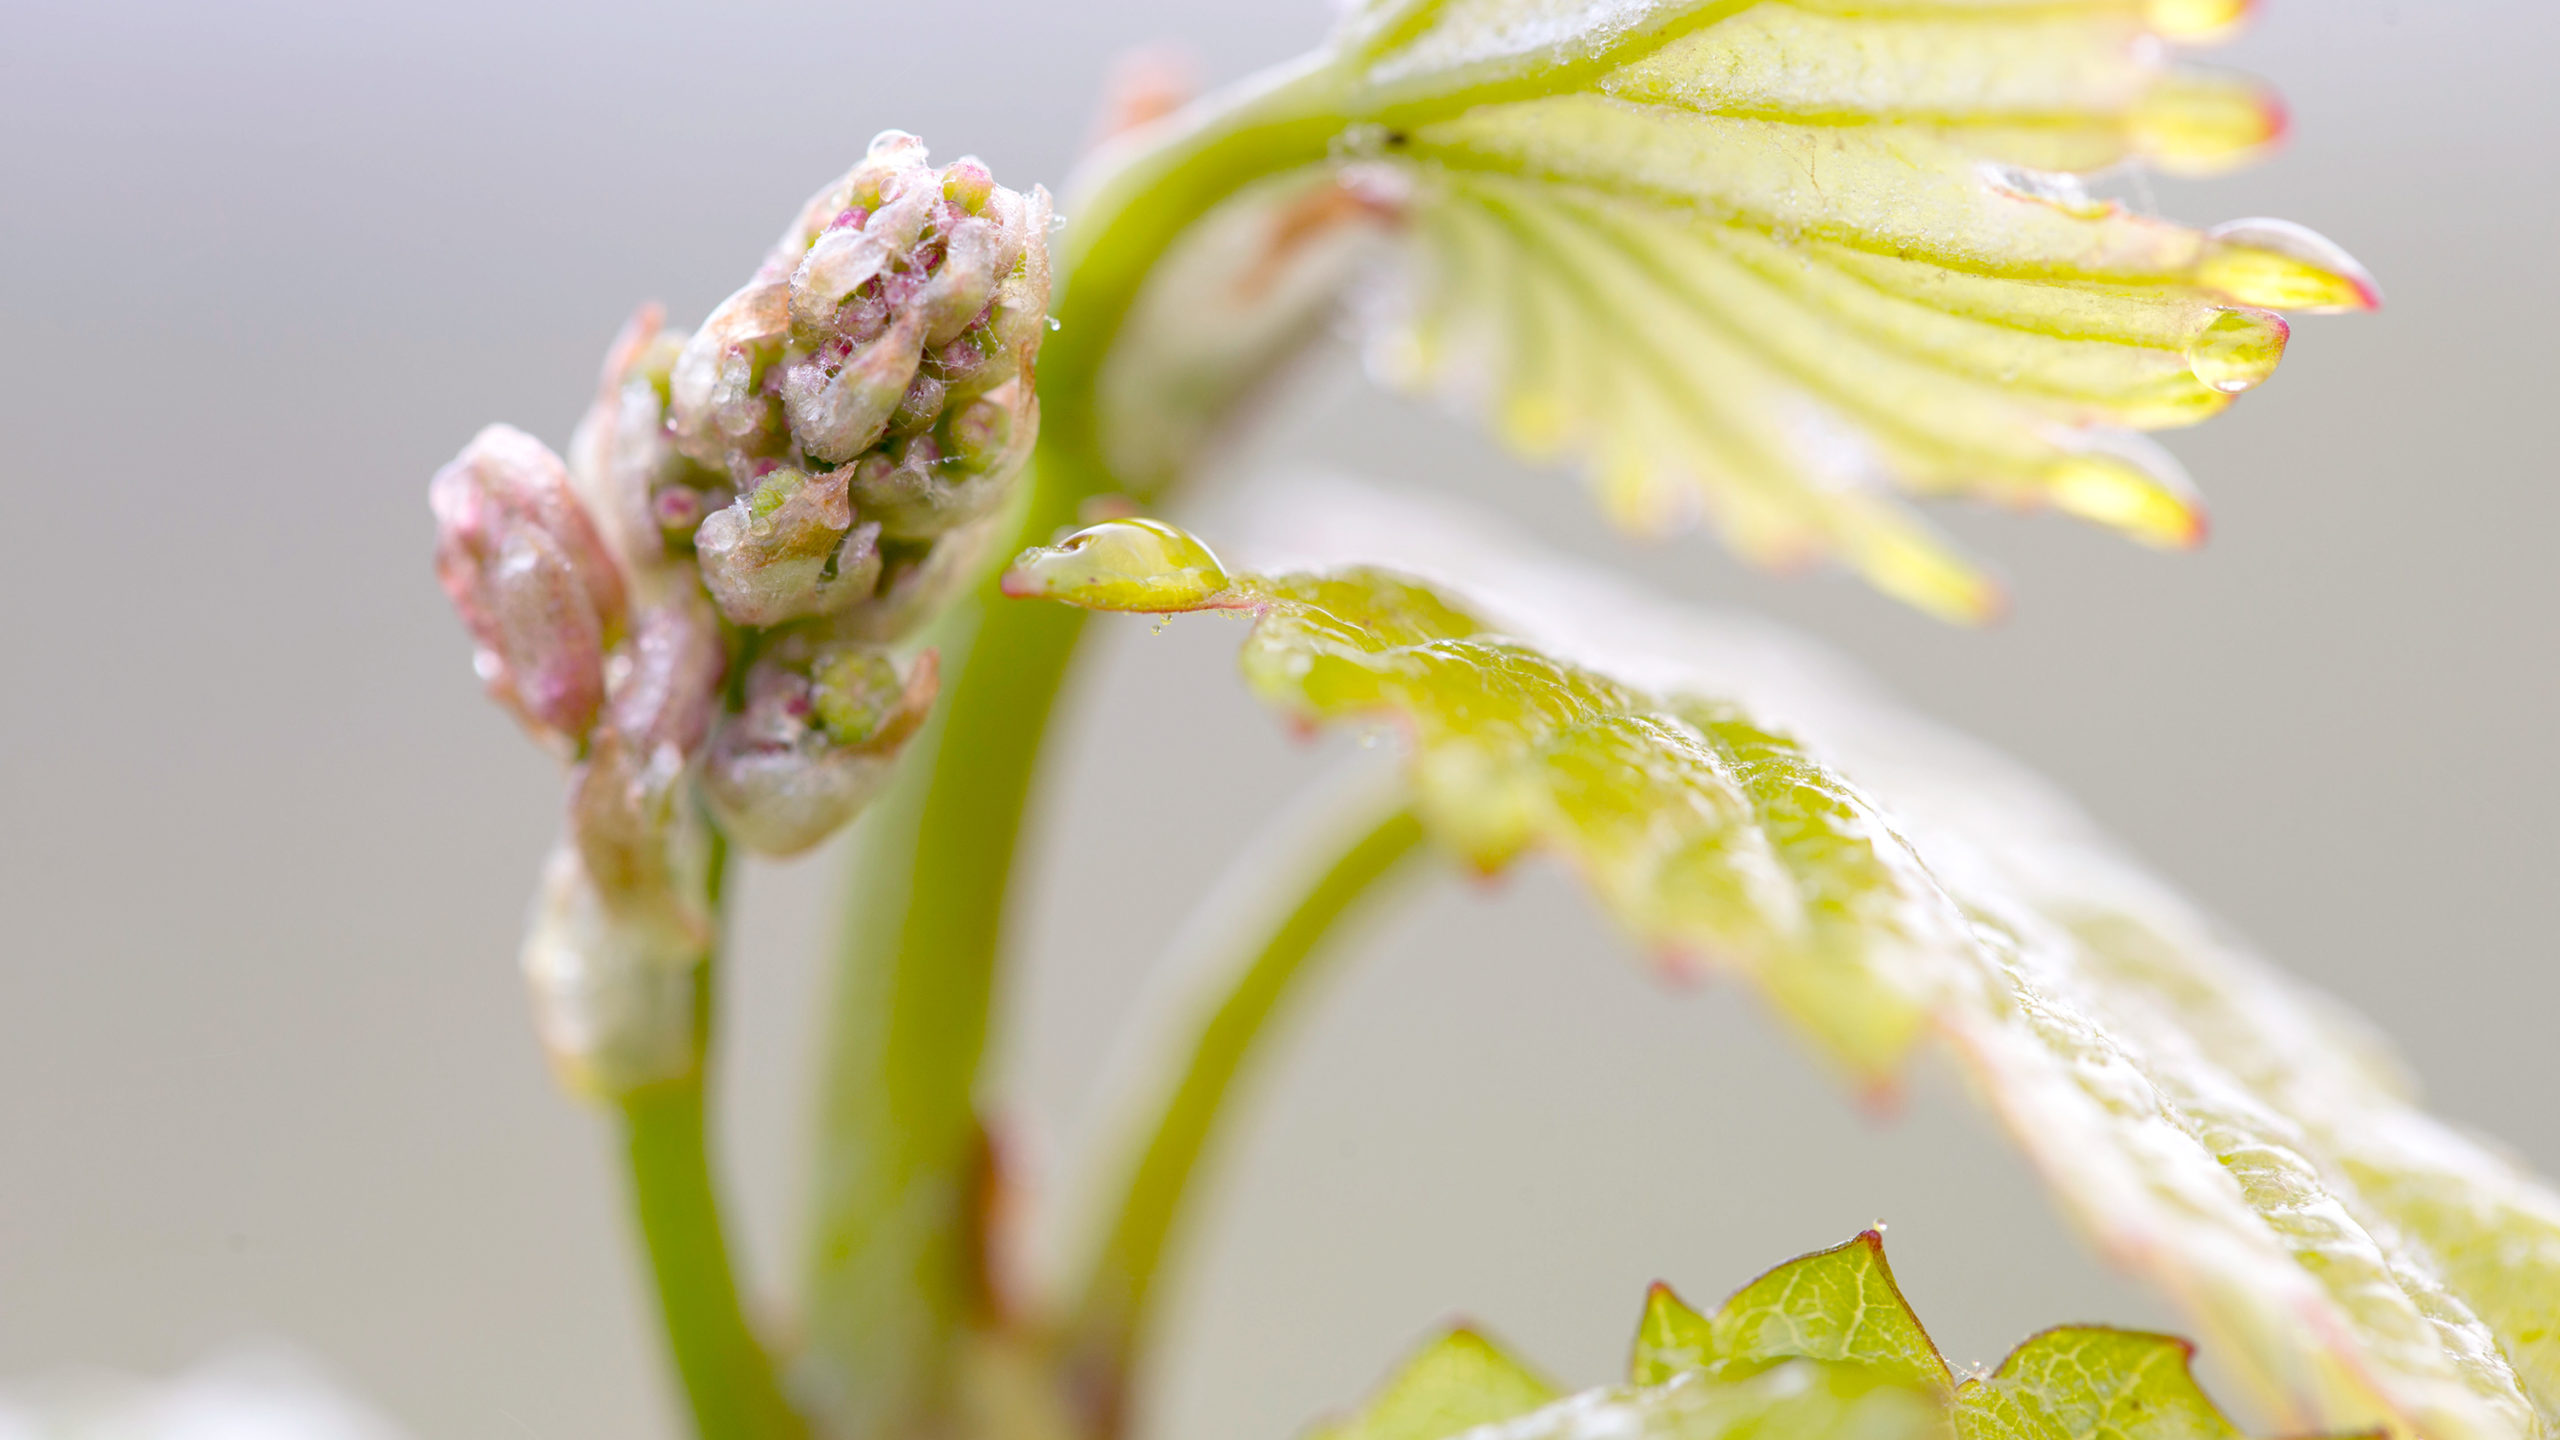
(1922, 574)
(2202, 122)
(2198, 22)
(2284, 266)
(2125, 495)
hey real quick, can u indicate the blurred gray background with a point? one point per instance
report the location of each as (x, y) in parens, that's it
(263, 849)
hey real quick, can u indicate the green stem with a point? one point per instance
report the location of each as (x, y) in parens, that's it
(1112, 1318)
(728, 1378)
(896, 1276)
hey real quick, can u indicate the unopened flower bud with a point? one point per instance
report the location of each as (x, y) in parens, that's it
(886, 344)
(916, 587)
(924, 486)
(967, 183)
(788, 550)
(665, 679)
(626, 798)
(718, 402)
(841, 396)
(646, 497)
(857, 696)
(822, 724)
(532, 579)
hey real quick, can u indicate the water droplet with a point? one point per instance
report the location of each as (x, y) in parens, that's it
(2066, 193)
(2284, 266)
(1134, 564)
(2238, 350)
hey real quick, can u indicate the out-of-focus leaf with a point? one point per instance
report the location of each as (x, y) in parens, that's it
(1790, 1400)
(2219, 1129)
(1822, 1346)
(1455, 1383)
(1772, 264)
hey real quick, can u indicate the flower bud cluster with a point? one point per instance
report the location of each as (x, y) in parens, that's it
(711, 607)
(867, 398)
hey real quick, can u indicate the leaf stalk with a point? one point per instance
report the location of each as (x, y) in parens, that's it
(1113, 1316)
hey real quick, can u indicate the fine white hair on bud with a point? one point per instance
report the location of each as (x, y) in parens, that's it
(532, 579)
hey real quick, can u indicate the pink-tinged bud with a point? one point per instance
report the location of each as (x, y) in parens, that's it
(625, 912)
(921, 488)
(530, 576)
(817, 738)
(841, 396)
(624, 798)
(788, 550)
(645, 496)
(847, 258)
(915, 588)
(967, 183)
(664, 683)
(718, 403)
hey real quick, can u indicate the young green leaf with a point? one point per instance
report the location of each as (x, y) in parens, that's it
(2211, 1123)
(2083, 1380)
(1768, 263)
(1825, 1346)
(1791, 1400)
(1839, 1304)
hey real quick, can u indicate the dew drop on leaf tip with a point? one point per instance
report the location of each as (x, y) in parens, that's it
(2238, 349)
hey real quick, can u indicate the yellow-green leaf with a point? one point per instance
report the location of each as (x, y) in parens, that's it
(1793, 1400)
(2081, 1380)
(1837, 1305)
(1773, 265)
(1822, 1346)
(2208, 1121)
